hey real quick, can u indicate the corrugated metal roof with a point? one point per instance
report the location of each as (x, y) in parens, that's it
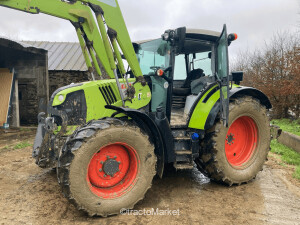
(62, 55)
(20, 46)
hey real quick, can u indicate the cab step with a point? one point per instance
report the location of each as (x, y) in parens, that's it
(184, 147)
(184, 152)
(184, 138)
(183, 166)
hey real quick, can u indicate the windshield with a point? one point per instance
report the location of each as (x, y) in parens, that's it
(154, 54)
(202, 61)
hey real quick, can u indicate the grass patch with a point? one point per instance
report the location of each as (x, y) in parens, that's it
(297, 173)
(5, 147)
(292, 126)
(22, 145)
(288, 156)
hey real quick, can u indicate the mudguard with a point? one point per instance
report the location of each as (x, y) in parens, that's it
(148, 125)
(207, 106)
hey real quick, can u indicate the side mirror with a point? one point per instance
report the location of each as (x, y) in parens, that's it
(237, 77)
(209, 55)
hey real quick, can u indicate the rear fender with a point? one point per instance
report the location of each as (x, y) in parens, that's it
(249, 91)
(207, 106)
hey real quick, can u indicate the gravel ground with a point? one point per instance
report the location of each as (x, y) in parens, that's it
(31, 195)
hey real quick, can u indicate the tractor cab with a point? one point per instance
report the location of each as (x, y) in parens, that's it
(183, 65)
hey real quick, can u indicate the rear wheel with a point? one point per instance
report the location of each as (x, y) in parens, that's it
(106, 166)
(236, 154)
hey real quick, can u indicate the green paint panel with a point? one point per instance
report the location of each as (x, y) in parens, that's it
(202, 110)
(96, 100)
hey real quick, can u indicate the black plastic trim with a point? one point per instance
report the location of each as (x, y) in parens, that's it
(210, 121)
(244, 91)
(210, 94)
(61, 89)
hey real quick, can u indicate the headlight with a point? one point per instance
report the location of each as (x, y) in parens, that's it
(61, 98)
(166, 36)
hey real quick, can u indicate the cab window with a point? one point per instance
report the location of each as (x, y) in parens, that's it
(196, 61)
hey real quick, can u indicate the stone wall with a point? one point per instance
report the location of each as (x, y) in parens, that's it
(286, 138)
(59, 79)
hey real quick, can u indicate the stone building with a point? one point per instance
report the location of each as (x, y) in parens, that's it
(31, 83)
(39, 69)
(66, 63)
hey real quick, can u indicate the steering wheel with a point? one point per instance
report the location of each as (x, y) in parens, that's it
(155, 68)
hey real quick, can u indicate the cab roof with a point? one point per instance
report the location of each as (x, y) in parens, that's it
(208, 35)
(192, 33)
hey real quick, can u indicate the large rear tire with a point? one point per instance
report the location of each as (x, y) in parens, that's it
(106, 166)
(234, 155)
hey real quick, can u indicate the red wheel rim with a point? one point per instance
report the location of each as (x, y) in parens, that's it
(113, 170)
(241, 141)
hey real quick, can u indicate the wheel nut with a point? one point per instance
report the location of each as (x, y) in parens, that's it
(104, 175)
(119, 162)
(100, 170)
(101, 162)
(107, 156)
(115, 157)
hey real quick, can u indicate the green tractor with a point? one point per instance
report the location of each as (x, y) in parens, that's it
(176, 104)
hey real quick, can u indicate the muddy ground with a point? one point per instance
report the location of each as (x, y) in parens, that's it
(30, 195)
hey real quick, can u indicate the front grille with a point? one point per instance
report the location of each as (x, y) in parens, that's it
(75, 107)
(108, 94)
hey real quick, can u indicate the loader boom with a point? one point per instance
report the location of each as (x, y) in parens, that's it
(99, 40)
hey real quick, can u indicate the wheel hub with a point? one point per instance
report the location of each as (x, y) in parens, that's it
(241, 141)
(230, 138)
(111, 167)
(113, 170)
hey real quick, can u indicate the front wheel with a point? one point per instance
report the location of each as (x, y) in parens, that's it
(235, 154)
(106, 166)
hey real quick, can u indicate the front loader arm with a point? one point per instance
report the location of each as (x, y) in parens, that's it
(110, 22)
(114, 20)
(71, 12)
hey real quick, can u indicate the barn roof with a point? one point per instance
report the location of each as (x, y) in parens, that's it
(62, 55)
(9, 43)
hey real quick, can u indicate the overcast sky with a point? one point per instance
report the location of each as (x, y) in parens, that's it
(253, 20)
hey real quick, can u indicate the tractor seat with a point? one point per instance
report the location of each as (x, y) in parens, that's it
(182, 91)
(198, 85)
(185, 90)
(193, 75)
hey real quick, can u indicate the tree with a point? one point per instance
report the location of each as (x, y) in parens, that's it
(275, 70)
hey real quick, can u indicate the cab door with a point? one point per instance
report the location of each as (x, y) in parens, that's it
(222, 74)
